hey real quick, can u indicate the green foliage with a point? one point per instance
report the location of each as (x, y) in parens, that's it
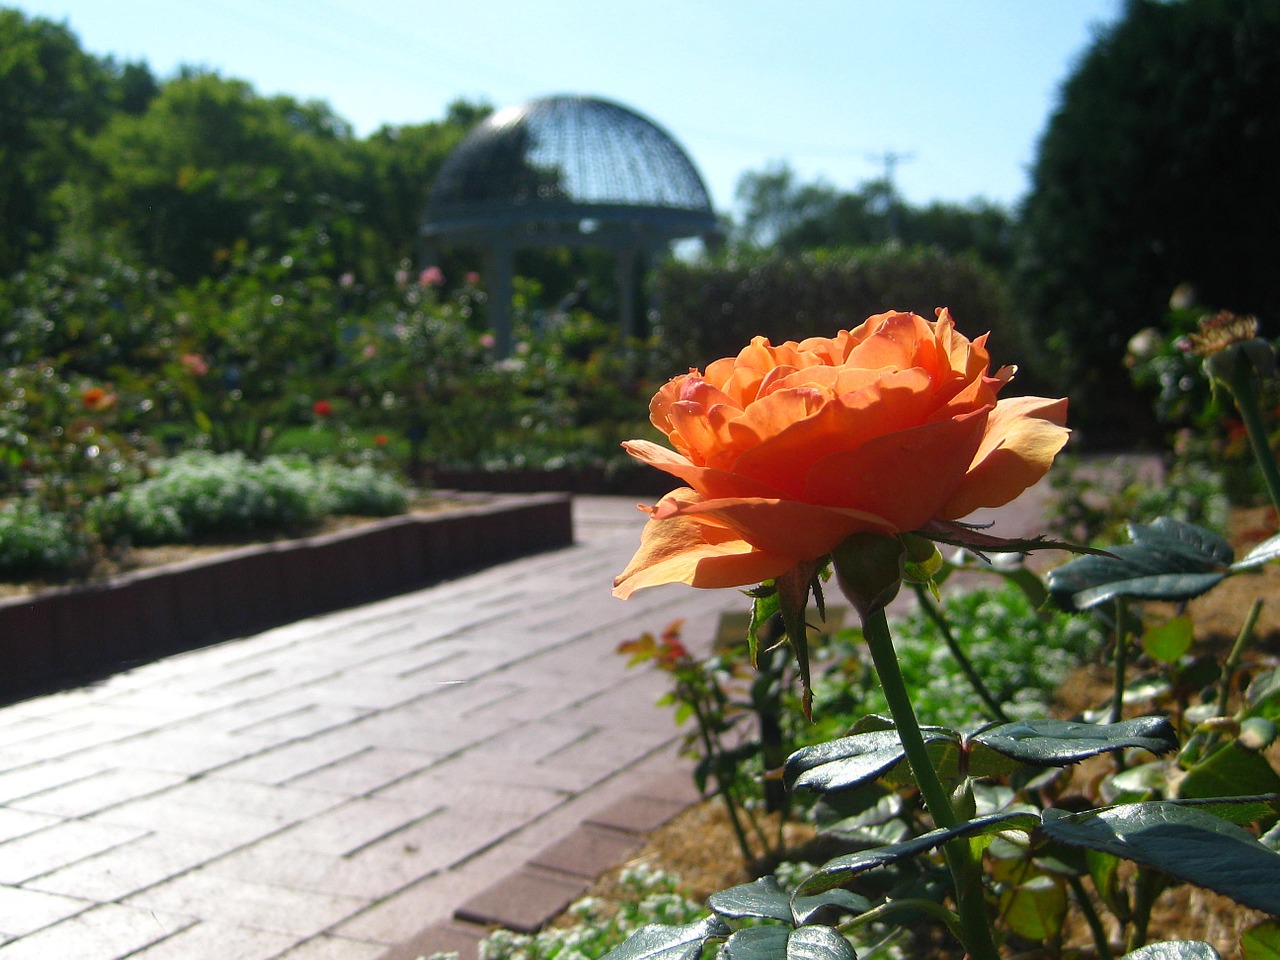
(712, 308)
(1021, 654)
(1158, 152)
(1093, 505)
(199, 495)
(794, 217)
(35, 542)
(52, 95)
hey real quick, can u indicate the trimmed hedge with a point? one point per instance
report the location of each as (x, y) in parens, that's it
(712, 309)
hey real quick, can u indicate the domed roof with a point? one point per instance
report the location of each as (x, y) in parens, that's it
(566, 159)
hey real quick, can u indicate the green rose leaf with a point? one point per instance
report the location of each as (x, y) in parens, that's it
(1187, 841)
(761, 898)
(660, 941)
(804, 909)
(1169, 641)
(776, 942)
(840, 870)
(1035, 909)
(1174, 950)
(1059, 743)
(852, 761)
(1261, 941)
(1231, 770)
(1167, 560)
(1263, 696)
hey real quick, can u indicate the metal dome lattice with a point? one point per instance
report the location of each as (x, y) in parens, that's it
(568, 159)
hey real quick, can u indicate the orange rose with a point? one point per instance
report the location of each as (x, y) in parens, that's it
(787, 450)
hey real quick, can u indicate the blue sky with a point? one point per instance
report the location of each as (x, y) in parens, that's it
(961, 89)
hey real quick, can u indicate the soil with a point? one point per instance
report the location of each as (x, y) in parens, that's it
(699, 847)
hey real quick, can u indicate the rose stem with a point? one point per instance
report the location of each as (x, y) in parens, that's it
(960, 860)
(1244, 389)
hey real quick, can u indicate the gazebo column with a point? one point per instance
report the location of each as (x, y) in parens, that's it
(499, 269)
(626, 277)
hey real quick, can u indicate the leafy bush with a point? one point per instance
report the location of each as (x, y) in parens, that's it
(200, 494)
(1021, 654)
(712, 308)
(36, 542)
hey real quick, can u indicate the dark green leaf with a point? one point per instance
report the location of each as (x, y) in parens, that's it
(757, 943)
(1174, 950)
(761, 898)
(776, 942)
(1229, 771)
(1035, 909)
(1188, 843)
(819, 942)
(1264, 552)
(851, 761)
(1263, 696)
(1058, 743)
(836, 901)
(660, 941)
(1261, 941)
(836, 872)
(1167, 560)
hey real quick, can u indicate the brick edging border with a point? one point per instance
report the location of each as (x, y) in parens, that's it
(68, 635)
(533, 895)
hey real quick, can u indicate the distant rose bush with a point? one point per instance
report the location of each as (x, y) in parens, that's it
(788, 450)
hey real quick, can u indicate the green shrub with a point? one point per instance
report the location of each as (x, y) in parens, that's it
(710, 309)
(1021, 654)
(199, 494)
(36, 542)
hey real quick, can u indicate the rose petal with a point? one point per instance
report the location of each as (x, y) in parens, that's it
(696, 551)
(904, 476)
(801, 531)
(1023, 436)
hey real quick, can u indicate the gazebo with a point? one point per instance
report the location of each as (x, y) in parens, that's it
(566, 171)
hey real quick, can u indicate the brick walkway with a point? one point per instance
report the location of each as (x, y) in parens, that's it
(331, 789)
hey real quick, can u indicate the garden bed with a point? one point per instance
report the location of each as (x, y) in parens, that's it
(58, 636)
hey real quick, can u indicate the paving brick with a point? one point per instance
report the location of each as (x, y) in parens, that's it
(24, 780)
(57, 846)
(97, 792)
(636, 814)
(18, 823)
(245, 903)
(219, 941)
(131, 867)
(348, 828)
(284, 763)
(336, 948)
(107, 932)
(366, 771)
(25, 911)
(587, 852)
(523, 901)
(454, 937)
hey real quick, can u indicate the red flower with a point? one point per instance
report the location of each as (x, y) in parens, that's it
(431, 277)
(381, 440)
(195, 364)
(95, 398)
(322, 408)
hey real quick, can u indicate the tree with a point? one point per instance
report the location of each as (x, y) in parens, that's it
(51, 94)
(211, 167)
(1156, 169)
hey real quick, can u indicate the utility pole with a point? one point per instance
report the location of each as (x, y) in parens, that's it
(890, 159)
